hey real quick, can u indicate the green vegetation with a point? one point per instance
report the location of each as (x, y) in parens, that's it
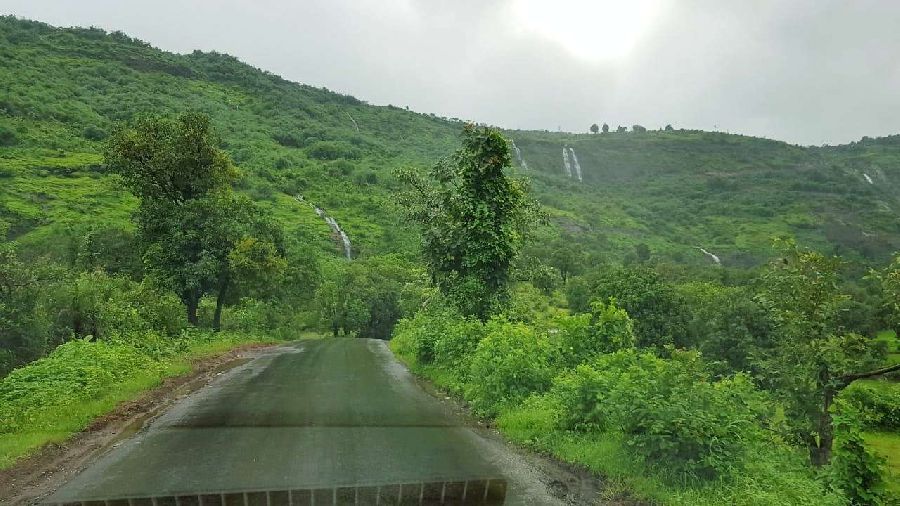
(647, 330)
(473, 220)
(54, 397)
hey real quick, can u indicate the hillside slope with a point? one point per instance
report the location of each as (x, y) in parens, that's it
(63, 91)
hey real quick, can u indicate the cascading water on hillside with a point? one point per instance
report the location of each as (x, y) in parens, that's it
(566, 163)
(335, 228)
(577, 165)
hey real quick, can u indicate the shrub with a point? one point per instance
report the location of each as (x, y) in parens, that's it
(7, 137)
(668, 410)
(605, 329)
(93, 133)
(332, 150)
(855, 470)
(877, 402)
(73, 372)
(510, 363)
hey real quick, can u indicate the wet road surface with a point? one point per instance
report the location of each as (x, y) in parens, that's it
(332, 421)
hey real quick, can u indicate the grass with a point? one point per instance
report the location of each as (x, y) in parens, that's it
(887, 445)
(59, 423)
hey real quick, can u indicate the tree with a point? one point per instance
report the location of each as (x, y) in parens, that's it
(888, 281)
(812, 357)
(621, 129)
(473, 219)
(659, 313)
(669, 128)
(642, 252)
(605, 128)
(638, 129)
(189, 220)
(595, 128)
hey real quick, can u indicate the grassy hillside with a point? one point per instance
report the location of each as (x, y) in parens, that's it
(677, 191)
(64, 90)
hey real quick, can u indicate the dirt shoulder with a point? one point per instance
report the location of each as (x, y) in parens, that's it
(37, 476)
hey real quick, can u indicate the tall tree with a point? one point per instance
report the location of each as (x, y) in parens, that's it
(473, 219)
(605, 128)
(812, 357)
(595, 128)
(189, 220)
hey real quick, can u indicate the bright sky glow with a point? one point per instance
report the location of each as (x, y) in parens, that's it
(592, 30)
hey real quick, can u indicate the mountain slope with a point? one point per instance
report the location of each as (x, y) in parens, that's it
(675, 191)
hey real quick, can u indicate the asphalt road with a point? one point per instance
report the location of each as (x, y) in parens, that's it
(332, 421)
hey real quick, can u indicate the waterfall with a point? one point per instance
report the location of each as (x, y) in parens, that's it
(577, 165)
(566, 163)
(333, 224)
(518, 153)
(710, 255)
(868, 178)
(340, 233)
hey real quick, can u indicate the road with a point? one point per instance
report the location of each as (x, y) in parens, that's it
(331, 421)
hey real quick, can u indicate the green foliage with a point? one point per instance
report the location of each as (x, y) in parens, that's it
(365, 297)
(888, 280)
(669, 410)
(660, 315)
(197, 235)
(856, 470)
(811, 357)
(173, 160)
(726, 324)
(473, 219)
(583, 337)
(24, 323)
(76, 371)
(510, 362)
(876, 401)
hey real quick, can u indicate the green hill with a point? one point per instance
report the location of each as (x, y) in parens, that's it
(64, 90)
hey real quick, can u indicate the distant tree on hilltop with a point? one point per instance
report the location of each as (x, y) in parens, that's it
(595, 128)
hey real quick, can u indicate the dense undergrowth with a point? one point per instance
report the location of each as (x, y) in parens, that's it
(658, 429)
(672, 425)
(52, 398)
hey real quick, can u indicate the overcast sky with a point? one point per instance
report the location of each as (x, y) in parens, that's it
(804, 71)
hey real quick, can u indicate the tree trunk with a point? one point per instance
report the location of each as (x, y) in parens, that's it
(220, 301)
(191, 301)
(820, 451)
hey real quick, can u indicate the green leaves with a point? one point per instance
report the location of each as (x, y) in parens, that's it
(473, 219)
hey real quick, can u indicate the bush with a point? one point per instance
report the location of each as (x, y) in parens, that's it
(76, 371)
(855, 470)
(605, 329)
(668, 410)
(876, 401)
(93, 133)
(7, 137)
(510, 363)
(332, 150)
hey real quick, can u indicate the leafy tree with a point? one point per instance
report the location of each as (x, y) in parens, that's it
(621, 129)
(473, 219)
(165, 159)
(660, 315)
(197, 235)
(605, 128)
(669, 128)
(24, 326)
(595, 128)
(364, 297)
(638, 129)
(812, 357)
(888, 280)
(642, 252)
